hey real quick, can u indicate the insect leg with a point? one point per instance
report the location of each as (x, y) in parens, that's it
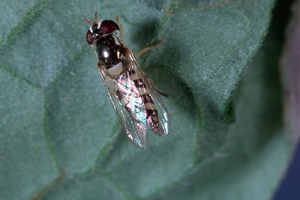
(147, 48)
(161, 92)
(120, 26)
(154, 87)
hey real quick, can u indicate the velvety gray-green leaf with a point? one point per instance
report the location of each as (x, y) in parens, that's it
(60, 138)
(26, 159)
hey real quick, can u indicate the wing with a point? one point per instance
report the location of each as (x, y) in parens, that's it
(135, 129)
(163, 116)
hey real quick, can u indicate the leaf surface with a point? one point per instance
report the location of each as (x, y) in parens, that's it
(59, 136)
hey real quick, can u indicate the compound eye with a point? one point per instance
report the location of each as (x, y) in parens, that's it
(108, 26)
(89, 37)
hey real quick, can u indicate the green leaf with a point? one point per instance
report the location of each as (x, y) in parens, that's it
(60, 138)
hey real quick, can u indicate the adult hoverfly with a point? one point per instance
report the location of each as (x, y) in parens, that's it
(135, 100)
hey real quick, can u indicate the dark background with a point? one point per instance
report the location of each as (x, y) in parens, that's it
(289, 188)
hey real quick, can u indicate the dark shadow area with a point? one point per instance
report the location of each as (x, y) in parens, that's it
(289, 187)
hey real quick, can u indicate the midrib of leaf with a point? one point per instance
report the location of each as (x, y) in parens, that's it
(47, 134)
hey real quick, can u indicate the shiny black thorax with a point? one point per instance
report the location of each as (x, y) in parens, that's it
(110, 51)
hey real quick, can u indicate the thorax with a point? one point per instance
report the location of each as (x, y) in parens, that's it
(110, 51)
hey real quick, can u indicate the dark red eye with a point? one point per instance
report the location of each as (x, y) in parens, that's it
(108, 26)
(89, 37)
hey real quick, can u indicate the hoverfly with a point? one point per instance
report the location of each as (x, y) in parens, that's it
(134, 98)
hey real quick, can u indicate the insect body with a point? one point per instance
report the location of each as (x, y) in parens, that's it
(135, 100)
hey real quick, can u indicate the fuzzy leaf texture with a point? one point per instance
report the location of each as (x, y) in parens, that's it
(60, 138)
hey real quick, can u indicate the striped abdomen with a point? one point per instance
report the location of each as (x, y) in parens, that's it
(151, 110)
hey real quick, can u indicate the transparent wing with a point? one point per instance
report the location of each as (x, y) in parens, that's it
(164, 119)
(136, 130)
